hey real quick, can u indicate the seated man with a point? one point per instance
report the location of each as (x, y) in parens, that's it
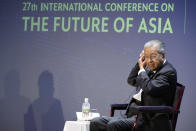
(155, 79)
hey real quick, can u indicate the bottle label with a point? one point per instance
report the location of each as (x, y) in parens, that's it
(85, 112)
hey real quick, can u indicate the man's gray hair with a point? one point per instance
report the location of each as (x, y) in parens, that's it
(160, 45)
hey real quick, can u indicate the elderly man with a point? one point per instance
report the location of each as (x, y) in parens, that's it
(155, 81)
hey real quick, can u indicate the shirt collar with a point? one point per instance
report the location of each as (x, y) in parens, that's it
(164, 61)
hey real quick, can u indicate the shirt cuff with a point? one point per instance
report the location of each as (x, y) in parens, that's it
(138, 96)
(141, 70)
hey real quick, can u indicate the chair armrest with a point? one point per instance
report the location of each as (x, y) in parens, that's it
(117, 107)
(154, 109)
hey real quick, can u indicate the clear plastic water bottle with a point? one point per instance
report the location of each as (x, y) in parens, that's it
(85, 108)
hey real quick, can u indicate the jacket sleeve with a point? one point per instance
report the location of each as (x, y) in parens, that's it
(157, 86)
(132, 79)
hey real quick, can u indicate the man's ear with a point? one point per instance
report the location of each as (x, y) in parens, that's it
(163, 56)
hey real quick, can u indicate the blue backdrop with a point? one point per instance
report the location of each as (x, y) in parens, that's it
(45, 76)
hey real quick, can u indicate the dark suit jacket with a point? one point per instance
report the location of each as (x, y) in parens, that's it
(158, 89)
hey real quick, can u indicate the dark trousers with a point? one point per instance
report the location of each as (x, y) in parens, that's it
(112, 123)
(160, 123)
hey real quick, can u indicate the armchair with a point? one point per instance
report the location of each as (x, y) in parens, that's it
(173, 111)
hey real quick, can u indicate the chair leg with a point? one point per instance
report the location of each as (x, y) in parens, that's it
(134, 125)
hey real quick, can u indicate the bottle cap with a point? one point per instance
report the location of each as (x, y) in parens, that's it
(86, 100)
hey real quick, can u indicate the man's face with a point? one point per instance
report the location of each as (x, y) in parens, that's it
(153, 58)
